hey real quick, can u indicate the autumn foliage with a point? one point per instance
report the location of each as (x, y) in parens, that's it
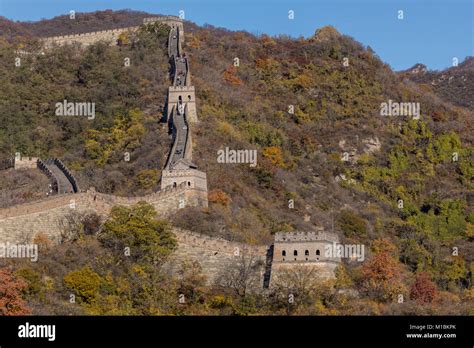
(230, 76)
(274, 154)
(382, 275)
(219, 196)
(423, 289)
(11, 287)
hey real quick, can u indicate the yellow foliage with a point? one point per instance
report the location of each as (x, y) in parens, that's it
(85, 283)
(226, 128)
(123, 39)
(93, 148)
(274, 154)
(147, 178)
(125, 134)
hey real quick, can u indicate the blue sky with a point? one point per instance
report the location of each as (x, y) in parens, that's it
(432, 32)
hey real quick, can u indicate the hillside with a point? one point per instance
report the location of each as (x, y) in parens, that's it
(453, 85)
(315, 122)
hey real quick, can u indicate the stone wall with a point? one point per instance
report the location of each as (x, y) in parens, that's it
(23, 222)
(109, 36)
(86, 39)
(25, 163)
(215, 255)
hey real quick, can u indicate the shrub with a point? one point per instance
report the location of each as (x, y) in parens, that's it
(423, 289)
(85, 283)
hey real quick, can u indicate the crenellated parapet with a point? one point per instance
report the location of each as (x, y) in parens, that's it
(109, 36)
(304, 249)
(24, 221)
(186, 95)
(305, 236)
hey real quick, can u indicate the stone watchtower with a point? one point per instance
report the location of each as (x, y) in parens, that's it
(308, 249)
(183, 94)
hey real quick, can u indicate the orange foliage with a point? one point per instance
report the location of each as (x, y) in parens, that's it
(229, 76)
(266, 63)
(11, 287)
(219, 196)
(423, 289)
(268, 41)
(381, 276)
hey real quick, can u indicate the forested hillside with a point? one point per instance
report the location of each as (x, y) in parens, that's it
(401, 186)
(454, 85)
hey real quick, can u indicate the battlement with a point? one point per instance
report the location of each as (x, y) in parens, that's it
(184, 94)
(46, 216)
(109, 35)
(89, 34)
(181, 89)
(25, 162)
(192, 178)
(293, 250)
(162, 19)
(296, 237)
(98, 198)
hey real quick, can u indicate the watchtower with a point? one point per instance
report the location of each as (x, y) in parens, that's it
(308, 249)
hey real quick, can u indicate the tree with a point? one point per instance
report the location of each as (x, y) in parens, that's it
(423, 289)
(381, 276)
(147, 239)
(352, 225)
(220, 197)
(85, 283)
(242, 275)
(123, 39)
(295, 287)
(274, 154)
(230, 76)
(147, 178)
(11, 288)
(191, 281)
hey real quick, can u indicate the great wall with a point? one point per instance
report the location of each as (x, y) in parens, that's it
(182, 185)
(109, 36)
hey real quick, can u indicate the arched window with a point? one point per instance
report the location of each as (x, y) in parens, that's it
(318, 253)
(189, 183)
(180, 99)
(174, 184)
(283, 253)
(189, 97)
(306, 253)
(295, 252)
